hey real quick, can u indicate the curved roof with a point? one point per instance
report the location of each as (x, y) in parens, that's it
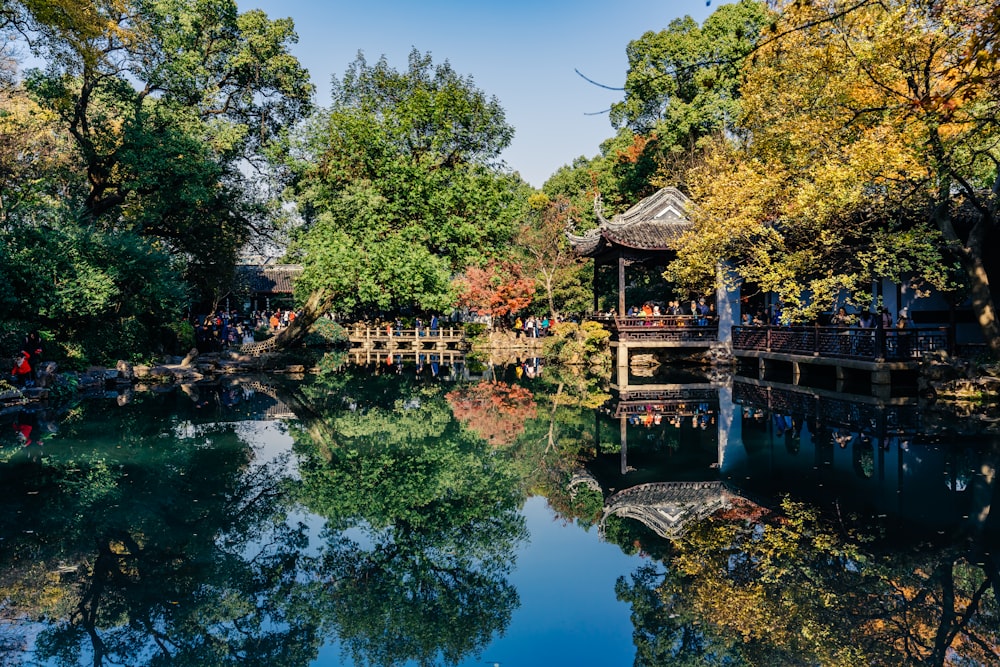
(667, 508)
(269, 278)
(655, 223)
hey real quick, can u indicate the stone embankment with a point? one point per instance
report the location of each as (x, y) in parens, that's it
(194, 368)
(944, 376)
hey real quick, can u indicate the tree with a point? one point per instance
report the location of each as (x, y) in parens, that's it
(402, 174)
(35, 161)
(497, 290)
(682, 88)
(164, 101)
(542, 239)
(869, 151)
(129, 147)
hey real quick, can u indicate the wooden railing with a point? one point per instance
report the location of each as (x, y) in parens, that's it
(864, 416)
(384, 332)
(843, 342)
(673, 328)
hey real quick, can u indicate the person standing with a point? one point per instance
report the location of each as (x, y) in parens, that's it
(33, 346)
(21, 373)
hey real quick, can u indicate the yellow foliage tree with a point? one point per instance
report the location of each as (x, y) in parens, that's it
(867, 149)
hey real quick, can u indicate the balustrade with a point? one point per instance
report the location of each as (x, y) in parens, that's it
(842, 342)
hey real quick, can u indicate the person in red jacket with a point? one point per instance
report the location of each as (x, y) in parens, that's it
(21, 372)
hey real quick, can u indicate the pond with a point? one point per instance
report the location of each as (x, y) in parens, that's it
(434, 514)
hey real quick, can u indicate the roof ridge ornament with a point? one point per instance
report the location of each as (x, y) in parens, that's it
(599, 211)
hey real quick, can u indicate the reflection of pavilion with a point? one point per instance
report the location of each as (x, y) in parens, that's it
(675, 427)
(854, 453)
(663, 406)
(667, 508)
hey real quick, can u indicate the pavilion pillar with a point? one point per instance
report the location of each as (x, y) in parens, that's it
(597, 304)
(621, 285)
(624, 440)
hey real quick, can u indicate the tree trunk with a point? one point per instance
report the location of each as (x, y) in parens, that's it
(970, 255)
(982, 301)
(314, 308)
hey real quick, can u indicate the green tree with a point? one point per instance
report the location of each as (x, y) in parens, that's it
(683, 86)
(401, 178)
(164, 101)
(144, 121)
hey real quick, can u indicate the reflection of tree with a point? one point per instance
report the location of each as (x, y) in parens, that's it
(422, 524)
(494, 410)
(789, 588)
(153, 541)
(559, 437)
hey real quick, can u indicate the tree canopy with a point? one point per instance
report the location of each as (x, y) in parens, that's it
(866, 149)
(402, 173)
(147, 117)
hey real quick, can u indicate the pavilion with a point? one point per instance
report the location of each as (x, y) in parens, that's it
(644, 234)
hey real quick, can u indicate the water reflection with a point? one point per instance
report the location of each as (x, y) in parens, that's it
(151, 530)
(780, 525)
(831, 530)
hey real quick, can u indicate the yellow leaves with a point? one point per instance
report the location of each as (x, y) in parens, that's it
(538, 201)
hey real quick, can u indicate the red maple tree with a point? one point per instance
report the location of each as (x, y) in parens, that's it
(498, 289)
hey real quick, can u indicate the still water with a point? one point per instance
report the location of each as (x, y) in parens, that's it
(432, 515)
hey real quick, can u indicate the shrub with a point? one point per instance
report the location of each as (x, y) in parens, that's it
(474, 329)
(182, 334)
(577, 344)
(324, 333)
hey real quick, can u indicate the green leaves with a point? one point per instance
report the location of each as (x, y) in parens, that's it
(683, 82)
(401, 173)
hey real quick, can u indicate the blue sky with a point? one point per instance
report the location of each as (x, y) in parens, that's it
(522, 52)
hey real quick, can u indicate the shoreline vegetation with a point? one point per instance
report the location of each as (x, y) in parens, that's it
(960, 386)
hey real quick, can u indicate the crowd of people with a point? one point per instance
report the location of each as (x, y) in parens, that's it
(533, 327)
(698, 308)
(225, 329)
(864, 319)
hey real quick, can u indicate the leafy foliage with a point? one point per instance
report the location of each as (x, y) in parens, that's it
(542, 241)
(498, 289)
(125, 155)
(399, 178)
(683, 87)
(868, 152)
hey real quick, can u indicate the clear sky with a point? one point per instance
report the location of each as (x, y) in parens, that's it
(522, 52)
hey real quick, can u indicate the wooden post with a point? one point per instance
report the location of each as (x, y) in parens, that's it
(624, 432)
(621, 284)
(597, 305)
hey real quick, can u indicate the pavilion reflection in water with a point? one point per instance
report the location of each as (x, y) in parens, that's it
(874, 457)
